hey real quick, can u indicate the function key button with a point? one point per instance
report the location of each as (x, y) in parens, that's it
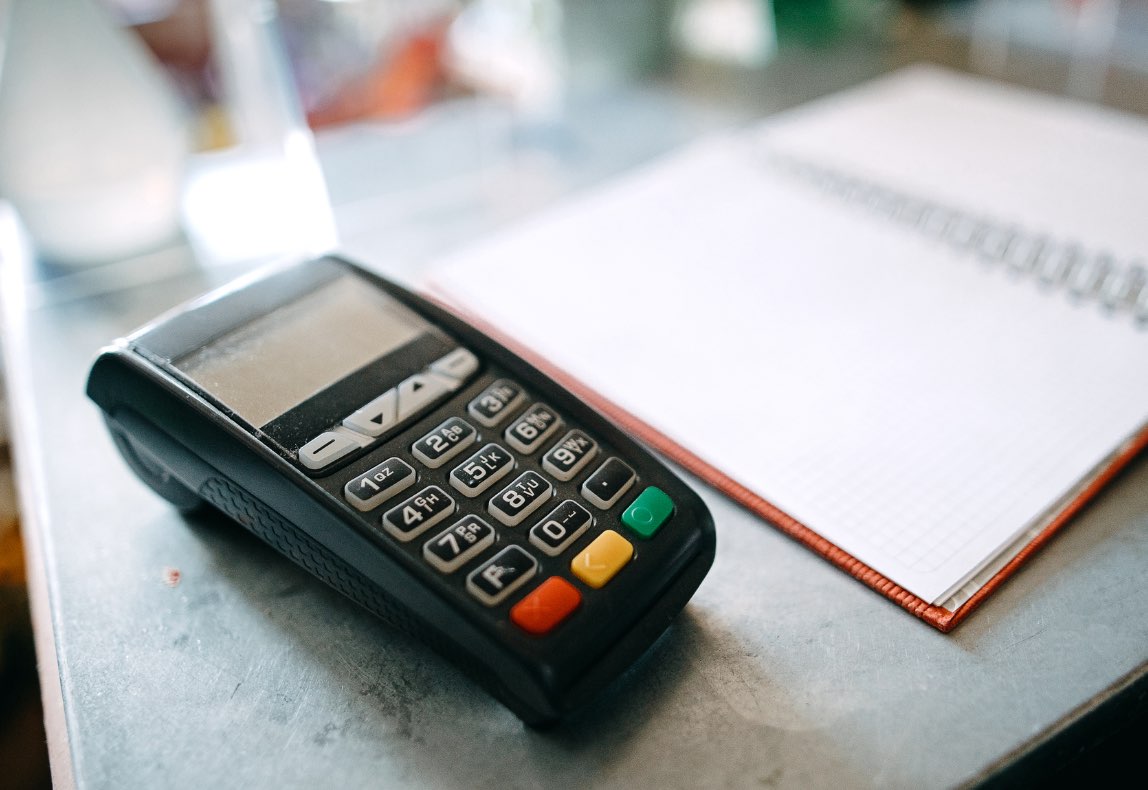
(459, 365)
(412, 517)
(482, 470)
(457, 545)
(567, 458)
(529, 431)
(606, 486)
(565, 524)
(418, 391)
(648, 512)
(501, 575)
(444, 442)
(326, 449)
(600, 562)
(513, 504)
(379, 484)
(377, 416)
(546, 606)
(495, 402)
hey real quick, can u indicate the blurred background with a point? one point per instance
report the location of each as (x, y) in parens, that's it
(139, 136)
(317, 120)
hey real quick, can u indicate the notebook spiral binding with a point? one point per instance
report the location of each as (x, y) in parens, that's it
(1085, 276)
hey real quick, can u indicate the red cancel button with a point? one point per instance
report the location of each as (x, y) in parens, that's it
(548, 605)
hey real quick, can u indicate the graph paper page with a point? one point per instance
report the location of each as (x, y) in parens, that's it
(917, 407)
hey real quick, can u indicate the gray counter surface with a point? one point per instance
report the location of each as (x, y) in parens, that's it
(189, 654)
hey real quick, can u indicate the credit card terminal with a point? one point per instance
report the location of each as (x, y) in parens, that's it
(418, 467)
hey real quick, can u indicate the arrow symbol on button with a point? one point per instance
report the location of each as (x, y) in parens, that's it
(589, 563)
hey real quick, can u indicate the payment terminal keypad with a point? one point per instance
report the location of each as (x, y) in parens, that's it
(513, 509)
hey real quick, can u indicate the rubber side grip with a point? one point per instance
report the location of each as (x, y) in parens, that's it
(310, 555)
(313, 557)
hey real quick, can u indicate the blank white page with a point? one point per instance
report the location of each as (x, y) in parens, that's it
(916, 407)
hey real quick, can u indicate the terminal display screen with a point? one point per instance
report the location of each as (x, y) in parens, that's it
(269, 365)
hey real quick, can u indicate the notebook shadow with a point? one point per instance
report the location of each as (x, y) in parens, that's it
(1068, 579)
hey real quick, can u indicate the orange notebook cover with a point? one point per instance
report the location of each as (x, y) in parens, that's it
(839, 323)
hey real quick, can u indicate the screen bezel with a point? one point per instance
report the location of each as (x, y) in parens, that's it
(201, 322)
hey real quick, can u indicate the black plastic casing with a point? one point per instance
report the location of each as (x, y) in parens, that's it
(191, 449)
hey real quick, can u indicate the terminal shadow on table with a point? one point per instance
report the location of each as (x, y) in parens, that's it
(308, 611)
(395, 696)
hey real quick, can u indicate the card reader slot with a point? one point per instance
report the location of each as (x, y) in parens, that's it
(180, 472)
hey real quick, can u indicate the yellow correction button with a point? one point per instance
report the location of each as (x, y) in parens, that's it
(601, 560)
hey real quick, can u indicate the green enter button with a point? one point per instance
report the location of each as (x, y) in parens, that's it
(648, 512)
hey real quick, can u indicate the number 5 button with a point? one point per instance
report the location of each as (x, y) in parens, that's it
(481, 470)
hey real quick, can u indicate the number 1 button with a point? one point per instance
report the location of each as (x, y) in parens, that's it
(379, 484)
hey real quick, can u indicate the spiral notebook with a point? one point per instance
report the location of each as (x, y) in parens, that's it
(908, 324)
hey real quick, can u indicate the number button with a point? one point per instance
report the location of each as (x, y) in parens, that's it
(454, 547)
(565, 524)
(379, 484)
(609, 481)
(412, 517)
(513, 504)
(495, 402)
(533, 428)
(444, 442)
(567, 458)
(482, 470)
(501, 575)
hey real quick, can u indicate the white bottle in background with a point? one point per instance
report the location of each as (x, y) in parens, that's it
(92, 139)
